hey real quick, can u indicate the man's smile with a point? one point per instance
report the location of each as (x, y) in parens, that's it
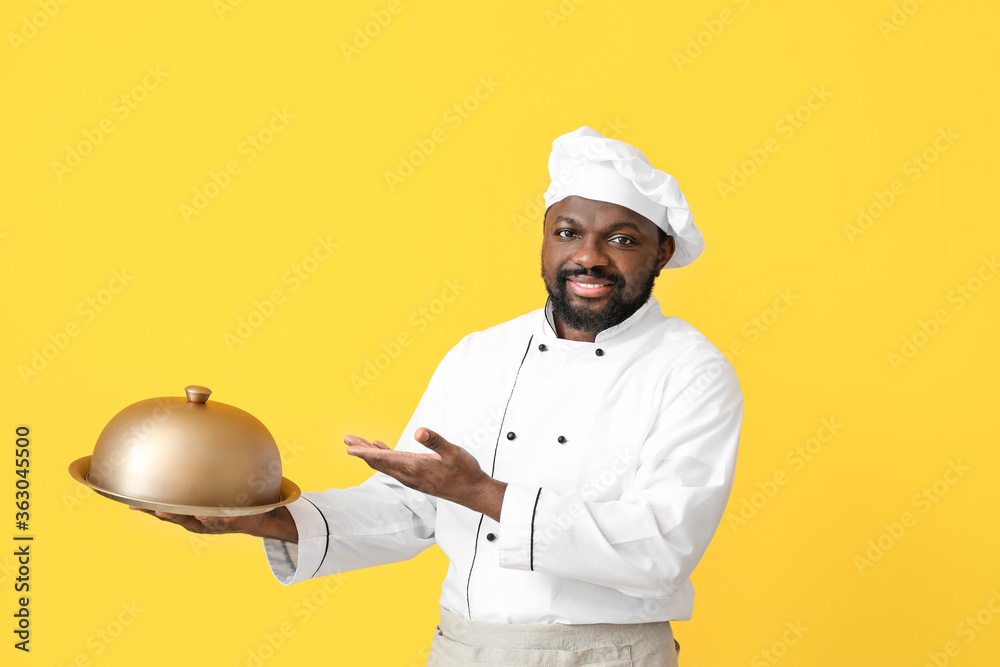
(588, 287)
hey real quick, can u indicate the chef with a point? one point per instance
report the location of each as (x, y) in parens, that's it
(572, 463)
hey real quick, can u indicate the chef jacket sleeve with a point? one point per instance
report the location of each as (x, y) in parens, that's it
(647, 542)
(381, 521)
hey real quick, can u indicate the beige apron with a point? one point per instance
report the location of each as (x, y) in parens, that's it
(459, 641)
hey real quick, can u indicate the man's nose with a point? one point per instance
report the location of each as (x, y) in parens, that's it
(590, 252)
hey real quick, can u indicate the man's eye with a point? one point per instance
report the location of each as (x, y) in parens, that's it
(622, 240)
(564, 233)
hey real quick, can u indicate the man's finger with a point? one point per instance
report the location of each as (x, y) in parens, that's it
(162, 516)
(355, 441)
(188, 521)
(432, 440)
(383, 461)
(374, 457)
(216, 524)
(183, 520)
(397, 464)
(204, 524)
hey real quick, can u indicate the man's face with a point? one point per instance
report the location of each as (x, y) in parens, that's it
(599, 263)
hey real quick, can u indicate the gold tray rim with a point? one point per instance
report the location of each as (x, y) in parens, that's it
(287, 492)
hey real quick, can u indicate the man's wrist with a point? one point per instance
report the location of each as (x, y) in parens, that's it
(278, 524)
(487, 498)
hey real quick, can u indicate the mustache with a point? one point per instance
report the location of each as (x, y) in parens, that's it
(594, 272)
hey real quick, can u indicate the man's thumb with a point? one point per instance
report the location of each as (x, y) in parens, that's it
(430, 439)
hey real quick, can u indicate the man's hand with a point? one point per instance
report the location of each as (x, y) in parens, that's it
(276, 524)
(447, 471)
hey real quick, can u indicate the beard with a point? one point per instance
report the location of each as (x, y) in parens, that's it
(581, 318)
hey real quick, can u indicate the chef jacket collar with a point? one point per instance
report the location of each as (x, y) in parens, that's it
(549, 327)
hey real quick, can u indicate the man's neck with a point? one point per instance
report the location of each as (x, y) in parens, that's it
(567, 333)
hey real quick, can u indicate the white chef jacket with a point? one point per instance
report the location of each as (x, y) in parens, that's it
(618, 457)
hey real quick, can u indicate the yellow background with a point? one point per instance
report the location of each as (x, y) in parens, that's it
(224, 69)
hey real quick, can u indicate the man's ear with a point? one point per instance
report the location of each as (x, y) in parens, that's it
(667, 249)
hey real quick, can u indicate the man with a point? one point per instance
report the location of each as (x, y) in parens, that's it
(582, 454)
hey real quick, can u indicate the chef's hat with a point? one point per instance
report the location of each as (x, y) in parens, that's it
(587, 164)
